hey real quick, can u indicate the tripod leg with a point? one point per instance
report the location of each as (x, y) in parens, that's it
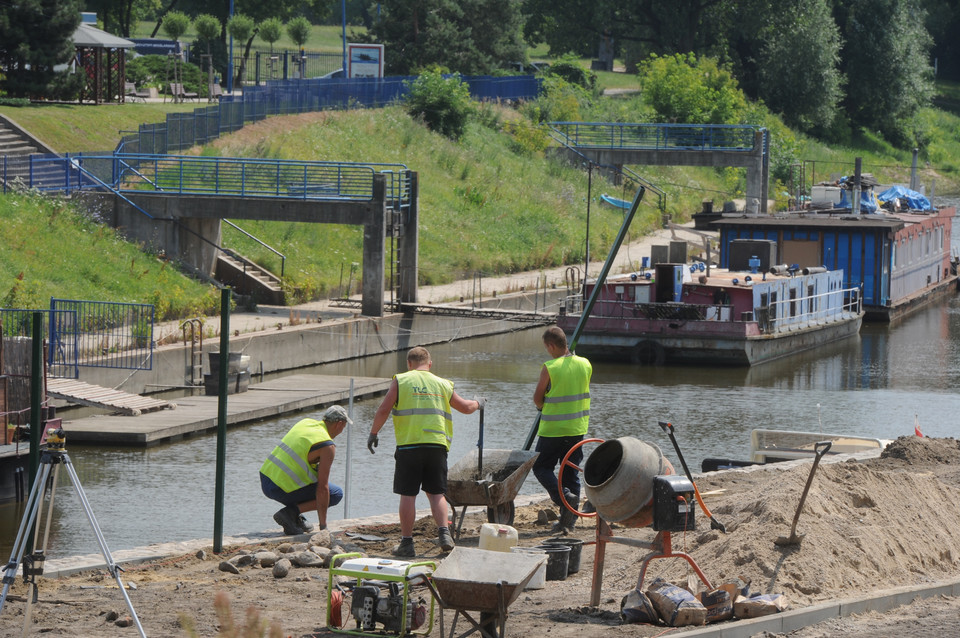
(112, 567)
(30, 573)
(29, 516)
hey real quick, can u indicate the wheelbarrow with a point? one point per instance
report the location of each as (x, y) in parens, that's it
(482, 581)
(488, 477)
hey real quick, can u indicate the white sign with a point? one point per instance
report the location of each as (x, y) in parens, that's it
(364, 60)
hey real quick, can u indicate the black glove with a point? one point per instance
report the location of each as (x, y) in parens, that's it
(372, 441)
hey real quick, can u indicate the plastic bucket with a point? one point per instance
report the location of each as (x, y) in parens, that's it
(576, 547)
(539, 578)
(618, 480)
(558, 561)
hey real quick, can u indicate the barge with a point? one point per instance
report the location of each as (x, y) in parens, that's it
(681, 313)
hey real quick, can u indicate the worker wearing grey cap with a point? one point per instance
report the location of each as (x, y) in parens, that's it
(297, 472)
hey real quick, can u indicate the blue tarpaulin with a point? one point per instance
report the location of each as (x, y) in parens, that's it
(908, 198)
(868, 201)
(614, 201)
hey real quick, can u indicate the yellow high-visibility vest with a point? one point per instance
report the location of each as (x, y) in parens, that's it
(566, 404)
(422, 413)
(287, 465)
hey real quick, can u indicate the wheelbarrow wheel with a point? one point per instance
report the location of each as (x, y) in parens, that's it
(503, 513)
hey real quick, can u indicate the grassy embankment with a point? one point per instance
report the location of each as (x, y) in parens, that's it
(486, 204)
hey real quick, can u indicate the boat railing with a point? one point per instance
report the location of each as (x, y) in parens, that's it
(788, 314)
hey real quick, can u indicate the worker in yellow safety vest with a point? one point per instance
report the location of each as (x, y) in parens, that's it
(297, 472)
(420, 403)
(563, 397)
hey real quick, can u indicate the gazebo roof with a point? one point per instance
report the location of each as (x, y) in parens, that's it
(92, 37)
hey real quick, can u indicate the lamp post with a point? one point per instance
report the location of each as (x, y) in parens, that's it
(586, 264)
(230, 55)
(343, 18)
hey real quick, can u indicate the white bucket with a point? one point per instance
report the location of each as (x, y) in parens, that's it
(539, 579)
(497, 538)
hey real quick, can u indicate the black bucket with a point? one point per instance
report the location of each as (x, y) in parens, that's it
(575, 545)
(558, 561)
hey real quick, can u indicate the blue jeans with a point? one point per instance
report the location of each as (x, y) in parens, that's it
(552, 449)
(304, 494)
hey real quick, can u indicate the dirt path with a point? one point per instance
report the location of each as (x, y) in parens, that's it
(869, 525)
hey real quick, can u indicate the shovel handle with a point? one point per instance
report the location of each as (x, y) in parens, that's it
(819, 449)
(714, 523)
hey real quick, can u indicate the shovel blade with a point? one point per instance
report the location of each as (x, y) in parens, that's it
(793, 539)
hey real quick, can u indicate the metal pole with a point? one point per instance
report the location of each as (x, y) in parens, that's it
(586, 263)
(36, 395)
(222, 420)
(343, 15)
(230, 55)
(346, 476)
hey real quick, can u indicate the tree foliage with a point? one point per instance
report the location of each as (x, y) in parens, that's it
(443, 104)
(468, 36)
(270, 31)
(885, 60)
(36, 36)
(684, 89)
(299, 30)
(175, 24)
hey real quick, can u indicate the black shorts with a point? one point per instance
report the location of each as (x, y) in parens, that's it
(420, 466)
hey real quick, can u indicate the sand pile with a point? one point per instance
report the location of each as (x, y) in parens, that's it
(868, 525)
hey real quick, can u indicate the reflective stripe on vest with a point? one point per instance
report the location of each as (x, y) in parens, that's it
(566, 405)
(422, 414)
(287, 464)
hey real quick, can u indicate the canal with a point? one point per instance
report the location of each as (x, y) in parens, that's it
(873, 385)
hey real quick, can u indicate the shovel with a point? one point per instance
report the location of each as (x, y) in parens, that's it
(819, 450)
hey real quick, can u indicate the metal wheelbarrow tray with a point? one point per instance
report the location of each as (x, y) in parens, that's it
(482, 581)
(494, 484)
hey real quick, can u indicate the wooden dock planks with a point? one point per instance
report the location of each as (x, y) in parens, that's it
(197, 414)
(100, 397)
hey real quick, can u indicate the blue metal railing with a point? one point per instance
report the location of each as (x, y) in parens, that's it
(230, 176)
(701, 137)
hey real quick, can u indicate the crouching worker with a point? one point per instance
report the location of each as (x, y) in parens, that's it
(297, 472)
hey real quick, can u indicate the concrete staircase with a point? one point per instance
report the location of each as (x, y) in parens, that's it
(247, 278)
(16, 148)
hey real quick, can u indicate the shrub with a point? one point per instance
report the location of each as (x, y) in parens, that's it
(684, 89)
(156, 70)
(569, 68)
(443, 104)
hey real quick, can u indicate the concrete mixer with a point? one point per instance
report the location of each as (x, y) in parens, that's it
(630, 482)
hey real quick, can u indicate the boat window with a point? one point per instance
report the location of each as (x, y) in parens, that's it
(812, 301)
(773, 305)
(793, 302)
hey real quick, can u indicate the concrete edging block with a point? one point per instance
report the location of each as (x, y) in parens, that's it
(799, 618)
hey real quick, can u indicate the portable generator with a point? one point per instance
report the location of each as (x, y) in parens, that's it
(371, 604)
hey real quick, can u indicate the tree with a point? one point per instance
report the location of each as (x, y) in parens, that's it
(885, 58)
(242, 29)
(175, 24)
(208, 29)
(36, 36)
(469, 36)
(806, 89)
(299, 30)
(443, 104)
(270, 31)
(120, 16)
(683, 89)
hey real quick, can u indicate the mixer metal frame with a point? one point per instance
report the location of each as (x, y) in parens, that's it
(660, 547)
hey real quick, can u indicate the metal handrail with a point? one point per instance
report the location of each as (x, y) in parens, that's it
(283, 258)
(707, 137)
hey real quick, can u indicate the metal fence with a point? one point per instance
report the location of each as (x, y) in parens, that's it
(184, 130)
(700, 137)
(97, 334)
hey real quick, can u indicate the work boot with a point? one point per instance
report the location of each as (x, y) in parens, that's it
(567, 518)
(289, 519)
(446, 539)
(405, 549)
(304, 526)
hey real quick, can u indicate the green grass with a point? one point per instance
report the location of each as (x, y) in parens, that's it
(49, 249)
(74, 128)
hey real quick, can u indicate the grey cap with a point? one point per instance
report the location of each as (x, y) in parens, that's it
(336, 413)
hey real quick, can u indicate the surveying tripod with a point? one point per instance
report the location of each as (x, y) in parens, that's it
(53, 455)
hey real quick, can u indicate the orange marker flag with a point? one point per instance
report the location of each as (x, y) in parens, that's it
(916, 425)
